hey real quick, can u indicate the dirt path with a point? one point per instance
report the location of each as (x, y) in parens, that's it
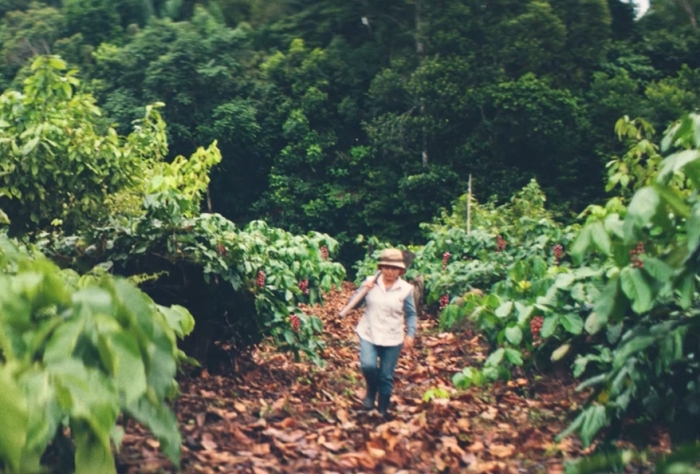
(272, 415)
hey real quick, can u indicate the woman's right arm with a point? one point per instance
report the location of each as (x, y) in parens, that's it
(367, 285)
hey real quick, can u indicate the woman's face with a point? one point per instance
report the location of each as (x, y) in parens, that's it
(390, 274)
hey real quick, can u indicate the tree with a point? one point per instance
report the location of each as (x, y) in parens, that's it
(59, 159)
(27, 33)
(96, 20)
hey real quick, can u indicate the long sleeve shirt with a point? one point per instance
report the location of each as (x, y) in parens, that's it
(387, 313)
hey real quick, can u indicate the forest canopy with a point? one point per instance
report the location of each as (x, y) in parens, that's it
(368, 117)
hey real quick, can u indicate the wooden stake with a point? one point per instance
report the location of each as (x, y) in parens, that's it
(469, 207)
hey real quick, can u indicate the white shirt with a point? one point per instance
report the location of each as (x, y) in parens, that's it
(382, 323)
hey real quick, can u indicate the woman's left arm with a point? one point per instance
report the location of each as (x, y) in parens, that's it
(409, 310)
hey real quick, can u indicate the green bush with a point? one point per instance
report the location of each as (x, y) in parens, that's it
(75, 353)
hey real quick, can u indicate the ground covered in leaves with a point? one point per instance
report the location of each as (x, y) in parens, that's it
(269, 414)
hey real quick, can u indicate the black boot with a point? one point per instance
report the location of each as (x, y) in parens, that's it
(370, 396)
(383, 405)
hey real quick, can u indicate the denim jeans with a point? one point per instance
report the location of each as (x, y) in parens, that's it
(378, 376)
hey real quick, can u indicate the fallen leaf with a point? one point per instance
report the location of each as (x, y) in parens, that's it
(475, 447)
(490, 414)
(287, 423)
(261, 449)
(155, 444)
(279, 403)
(208, 442)
(342, 416)
(502, 451)
(463, 424)
(334, 446)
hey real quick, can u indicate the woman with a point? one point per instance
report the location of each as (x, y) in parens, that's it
(389, 302)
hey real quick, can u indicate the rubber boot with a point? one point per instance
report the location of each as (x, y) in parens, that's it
(370, 396)
(383, 405)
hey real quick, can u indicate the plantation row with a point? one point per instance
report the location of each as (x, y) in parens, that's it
(615, 298)
(79, 346)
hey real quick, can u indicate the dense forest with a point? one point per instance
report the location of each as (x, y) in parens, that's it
(367, 117)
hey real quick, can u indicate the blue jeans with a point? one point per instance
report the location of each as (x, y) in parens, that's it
(378, 376)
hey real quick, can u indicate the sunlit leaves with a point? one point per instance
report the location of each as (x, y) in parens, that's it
(81, 356)
(58, 158)
(14, 422)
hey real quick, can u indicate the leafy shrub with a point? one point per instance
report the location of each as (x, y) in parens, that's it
(75, 352)
(60, 160)
(647, 363)
(247, 283)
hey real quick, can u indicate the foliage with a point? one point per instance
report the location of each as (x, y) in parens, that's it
(59, 159)
(271, 270)
(363, 118)
(617, 302)
(75, 352)
(682, 459)
(647, 305)
(130, 207)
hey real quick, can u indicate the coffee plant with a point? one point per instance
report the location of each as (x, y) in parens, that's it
(76, 353)
(240, 284)
(615, 298)
(644, 320)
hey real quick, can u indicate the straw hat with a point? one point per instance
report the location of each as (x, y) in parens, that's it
(391, 258)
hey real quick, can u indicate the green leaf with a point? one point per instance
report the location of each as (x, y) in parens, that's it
(91, 454)
(517, 271)
(643, 207)
(560, 352)
(581, 244)
(505, 309)
(564, 280)
(594, 419)
(14, 420)
(44, 418)
(600, 237)
(674, 163)
(637, 289)
(514, 335)
(572, 323)
(495, 358)
(127, 368)
(594, 323)
(574, 426)
(179, 319)
(461, 381)
(162, 423)
(610, 306)
(64, 341)
(673, 200)
(658, 269)
(686, 289)
(524, 312)
(514, 356)
(289, 337)
(693, 227)
(634, 345)
(549, 325)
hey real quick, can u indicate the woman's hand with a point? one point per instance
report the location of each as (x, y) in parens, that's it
(408, 343)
